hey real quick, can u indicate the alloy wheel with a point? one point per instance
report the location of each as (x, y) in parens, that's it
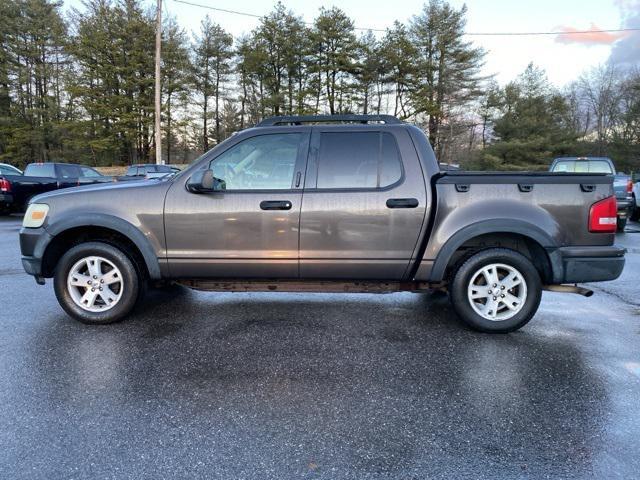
(95, 284)
(497, 291)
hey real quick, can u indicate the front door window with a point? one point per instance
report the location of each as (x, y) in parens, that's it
(265, 162)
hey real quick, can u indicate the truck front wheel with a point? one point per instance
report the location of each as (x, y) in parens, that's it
(96, 283)
(496, 290)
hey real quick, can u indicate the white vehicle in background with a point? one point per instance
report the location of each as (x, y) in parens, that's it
(147, 171)
(635, 213)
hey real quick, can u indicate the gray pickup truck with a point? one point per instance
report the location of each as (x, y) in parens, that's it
(327, 204)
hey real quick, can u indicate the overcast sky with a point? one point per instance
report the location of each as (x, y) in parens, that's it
(563, 57)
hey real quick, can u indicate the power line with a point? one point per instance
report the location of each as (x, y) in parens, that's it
(253, 15)
(559, 32)
(471, 34)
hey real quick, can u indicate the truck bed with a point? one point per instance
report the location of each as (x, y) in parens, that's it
(552, 208)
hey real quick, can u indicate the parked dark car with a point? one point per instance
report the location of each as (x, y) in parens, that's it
(622, 185)
(332, 204)
(17, 189)
(148, 171)
(623, 189)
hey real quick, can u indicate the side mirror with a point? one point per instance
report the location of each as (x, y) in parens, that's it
(203, 181)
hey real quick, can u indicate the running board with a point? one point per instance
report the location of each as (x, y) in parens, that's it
(320, 286)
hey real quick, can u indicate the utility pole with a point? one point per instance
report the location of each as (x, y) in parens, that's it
(158, 96)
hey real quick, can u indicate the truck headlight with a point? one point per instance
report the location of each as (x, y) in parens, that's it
(35, 216)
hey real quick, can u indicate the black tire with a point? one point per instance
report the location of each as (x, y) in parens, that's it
(621, 224)
(463, 276)
(635, 212)
(132, 282)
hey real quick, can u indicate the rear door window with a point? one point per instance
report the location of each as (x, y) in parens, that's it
(355, 160)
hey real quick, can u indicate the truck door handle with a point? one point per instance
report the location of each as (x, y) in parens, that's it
(275, 205)
(402, 203)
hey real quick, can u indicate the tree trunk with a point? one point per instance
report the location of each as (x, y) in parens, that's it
(217, 109)
(168, 128)
(205, 114)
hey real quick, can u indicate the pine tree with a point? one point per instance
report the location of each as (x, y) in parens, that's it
(176, 68)
(115, 84)
(211, 69)
(447, 66)
(369, 73)
(399, 63)
(533, 126)
(33, 35)
(334, 55)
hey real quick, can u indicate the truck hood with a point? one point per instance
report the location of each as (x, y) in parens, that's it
(115, 188)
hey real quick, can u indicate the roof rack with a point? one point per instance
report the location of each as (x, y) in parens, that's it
(300, 119)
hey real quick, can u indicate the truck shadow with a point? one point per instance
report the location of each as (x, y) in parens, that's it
(384, 379)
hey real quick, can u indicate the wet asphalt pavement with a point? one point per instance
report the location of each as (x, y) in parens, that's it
(317, 386)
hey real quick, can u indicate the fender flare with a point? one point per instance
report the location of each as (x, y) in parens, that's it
(484, 227)
(113, 223)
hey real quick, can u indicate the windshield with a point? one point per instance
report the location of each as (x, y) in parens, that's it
(9, 170)
(90, 172)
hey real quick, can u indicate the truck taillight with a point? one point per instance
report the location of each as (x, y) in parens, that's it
(603, 216)
(629, 186)
(5, 185)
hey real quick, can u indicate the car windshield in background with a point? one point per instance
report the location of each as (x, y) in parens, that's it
(582, 166)
(90, 172)
(40, 170)
(621, 179)
(9, 170)
(141, 170)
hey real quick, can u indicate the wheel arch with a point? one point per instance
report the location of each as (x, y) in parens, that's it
(499, 233)
(71, 231)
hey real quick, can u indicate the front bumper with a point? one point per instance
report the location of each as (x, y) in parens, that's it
(587, 264)
(33, 243)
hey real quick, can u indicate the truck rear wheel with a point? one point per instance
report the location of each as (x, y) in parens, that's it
(496, 290)
(97, 283)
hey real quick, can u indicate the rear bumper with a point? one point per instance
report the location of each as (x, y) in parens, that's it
(587, 264)
(6, 199)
